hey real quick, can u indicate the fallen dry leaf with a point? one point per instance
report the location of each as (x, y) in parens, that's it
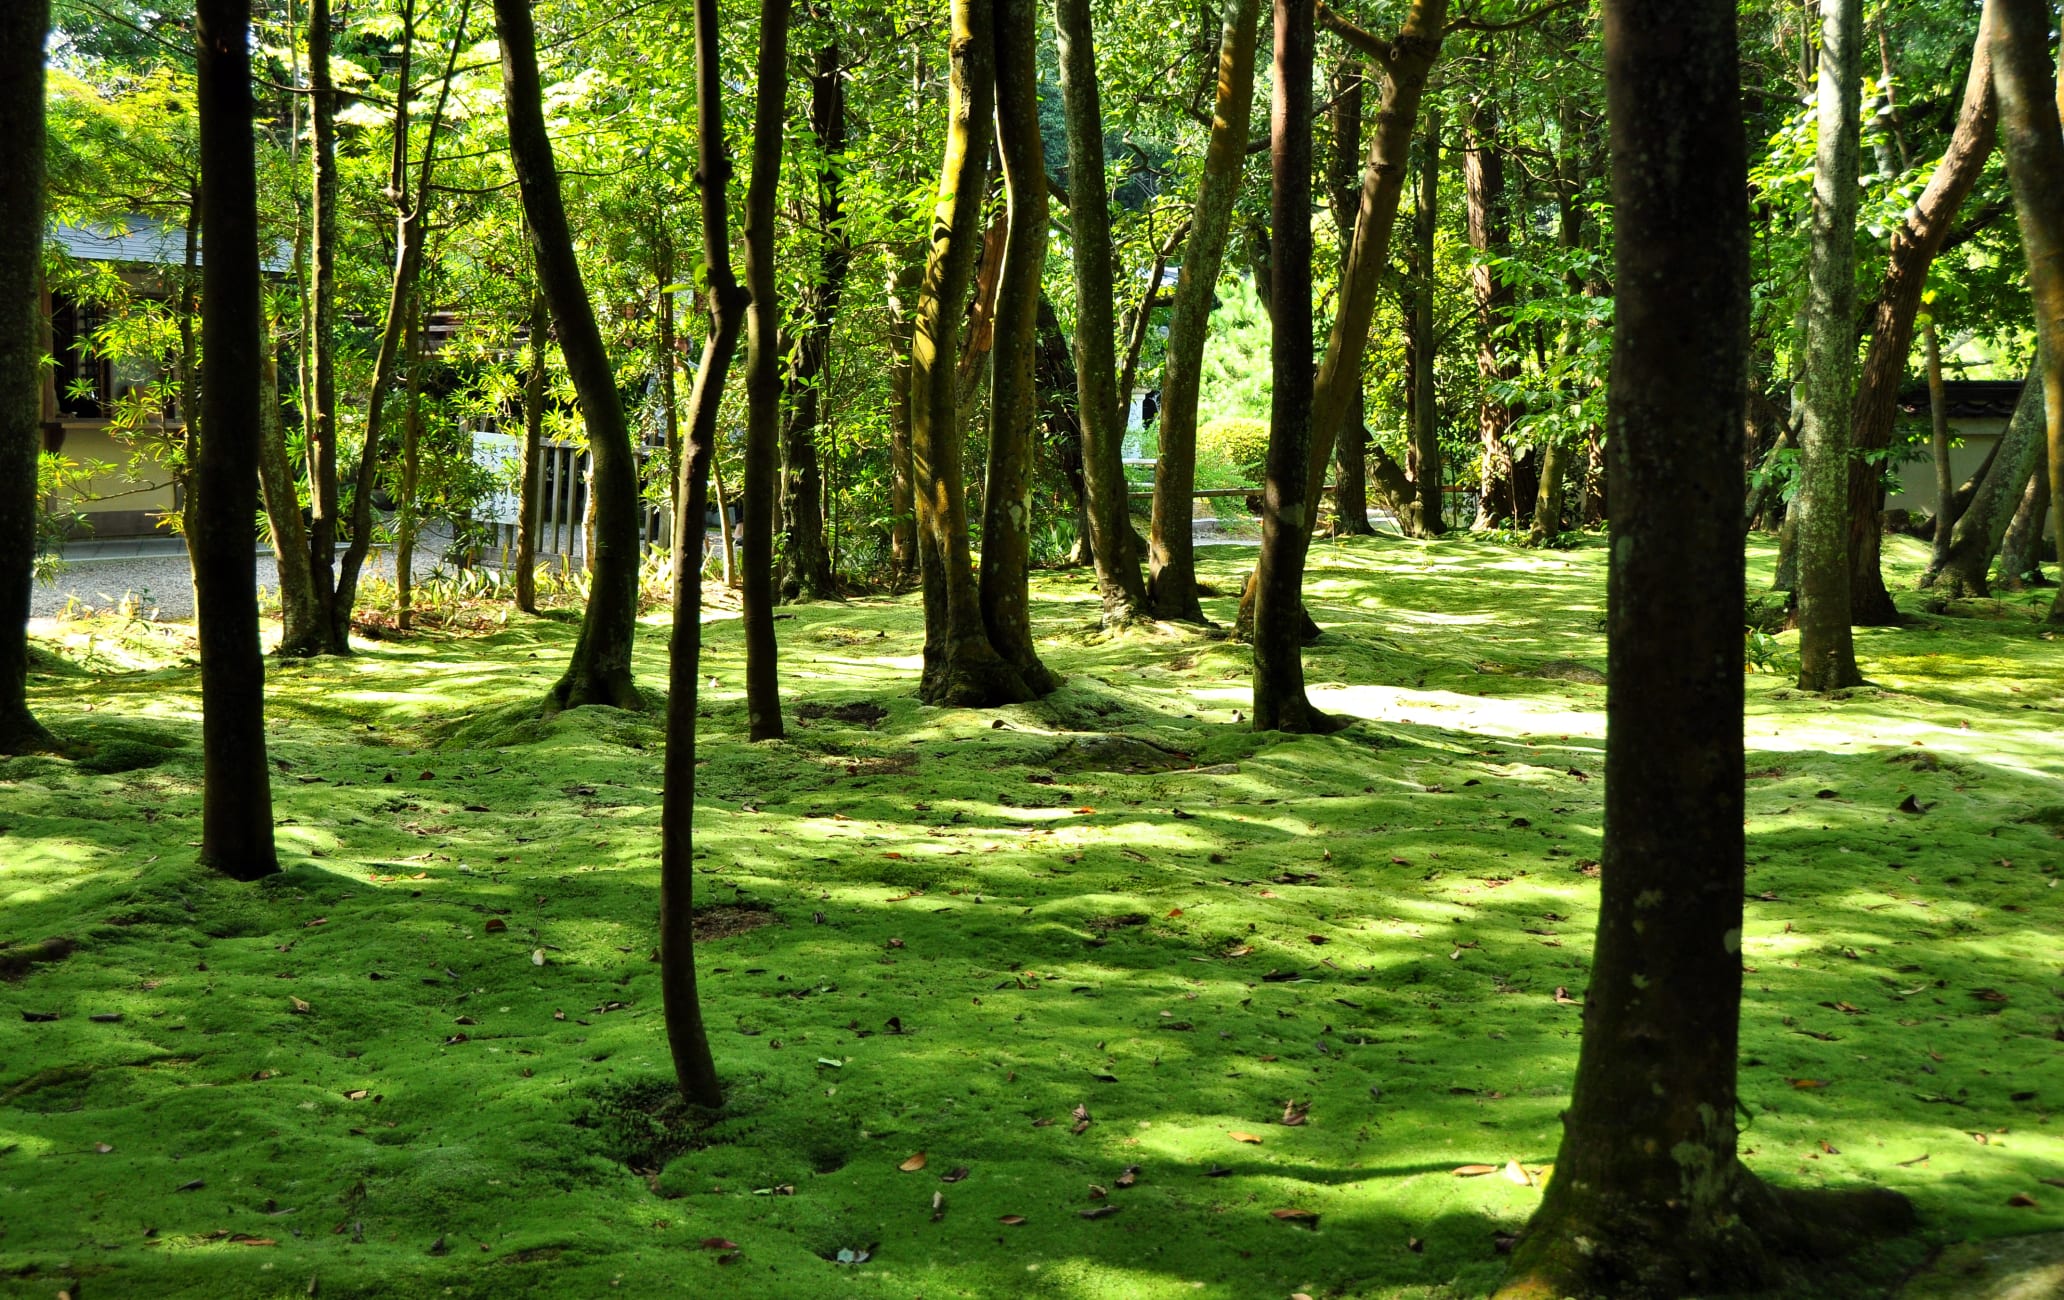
(1238, 1136)
(1011, 1220)
(1514, 1174)
(300, 1008)
(1807, 1083)
(1475, 1171)
(913, 1164)
(1241, 951)
(954, 1175)
(718, 1243)
(1098, 1212)
(1294, 1112)
(2023, 1201)
(1295, 1216)
(495, 925)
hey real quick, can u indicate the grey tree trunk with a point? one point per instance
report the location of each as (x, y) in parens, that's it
(2021, 549)
(1961, 568)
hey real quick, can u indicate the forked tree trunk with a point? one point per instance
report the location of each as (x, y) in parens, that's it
(2020, 564)
(321, 415)
(1827, 652)
(1962, 567)
(236, 798)
(695, 1071)
(808, 562)
(1649, 1196)
(1102, 407)
(763, 376)
(961, 667)
(600, 670)
(531, 489)
(1914, 245)
(1172, 578)
(2034, 141)
(1014, 393)
(23, 29)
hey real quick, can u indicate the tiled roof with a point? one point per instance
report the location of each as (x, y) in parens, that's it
(139, 239)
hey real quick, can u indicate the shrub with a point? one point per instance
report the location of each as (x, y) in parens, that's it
(1239, 442)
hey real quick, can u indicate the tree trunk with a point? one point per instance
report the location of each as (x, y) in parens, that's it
(1351, 477)
(1350, 457)
(1287, 497)
(1102, 408)
(1962, 567)
(695, 1072)
(1547, 521)
(904, 284)
(2021, 549)
(405, 521)
(1938, 438)
(23, 29)
(961, 667)
(1649, 1196)
(1014, 393)
(1422, 343)
(727, 551)
(320, 419)
(809, 575)
(1490, 226)
(302, 631)
(1172, 577)
(600, 671)
(1914, 245)
(528, 513)
(2028, 109)
(1827, 653)
(236, 799)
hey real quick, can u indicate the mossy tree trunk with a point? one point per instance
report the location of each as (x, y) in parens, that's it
(695, 1071)
(1827, 652)
(961, 666)
(2020, 562)
(2034, 141)
(236, 798)
(763, 349)
(807, 561)
(600, 670)
(1649, 1197)
(23, 29)
(1102, 407)
(1005, 588)
(1963, 566)
(530, 491)
(1172, 565)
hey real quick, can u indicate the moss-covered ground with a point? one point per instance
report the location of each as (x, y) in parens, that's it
(1040, 947)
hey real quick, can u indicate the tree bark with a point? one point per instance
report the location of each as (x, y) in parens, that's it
(23, 30)
(1961, 568)
(1350, 457)
(961, 667)
(302, 630)
(1490, 225)
(405, 522)
(600, 670)
(1102, 408)
(1938, 437)
(1172, 573)
(2034, 142)
(1827, 653)
(809, 574)
(2020, 563)
(528, 514)
(1014, 393)
(320, 418)
(904, 285)
(1547, 513)
(1422, 344)
(695, 1072)
(1914, 245)
(1649, 1196)
(1288, 500)
(236, 799)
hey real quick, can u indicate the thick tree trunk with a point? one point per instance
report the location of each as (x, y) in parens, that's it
(1288, 500)
(1490, 226)
(23, 29)
(2034, 142)
(1172, 580)
(1102, 407)
(809, 575)
(2021, 549)
(320, 417)
(302, 631)
(1914, 245)
(695, 1072)
(1649, 1196)
(1961, 568)
(763, 375)
(1422, 344)
(600, 671)
(236, 799)
(961, 667)
(406, 514)
(1014, 393)
(531, 488)
(1827, 653)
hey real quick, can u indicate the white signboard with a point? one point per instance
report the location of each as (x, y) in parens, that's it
(502, 458)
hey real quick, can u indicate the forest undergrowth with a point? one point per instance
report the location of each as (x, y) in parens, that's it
(1102, 996)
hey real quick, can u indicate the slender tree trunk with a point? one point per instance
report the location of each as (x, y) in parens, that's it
(528, 503)
(2020, 563)
(1287, 498)
(302, 631)
(411, 468)
(1350, 457)
(600, 671)
(1172, 578)
(1054, 372)
(729, 550)
(695, 1072)
(321, 414)
(1938, 438)
(2028, 114)
(961, 667)
(1547, 520)
(1914, 245)
(1649, 1196)
(763, 374)
(809, 575)
(23, 29)
(1102, 407)
(904, 286)
(1490, 226)
(1423, 345)
(236, 799)
(1139, 321)
(1827, 653)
